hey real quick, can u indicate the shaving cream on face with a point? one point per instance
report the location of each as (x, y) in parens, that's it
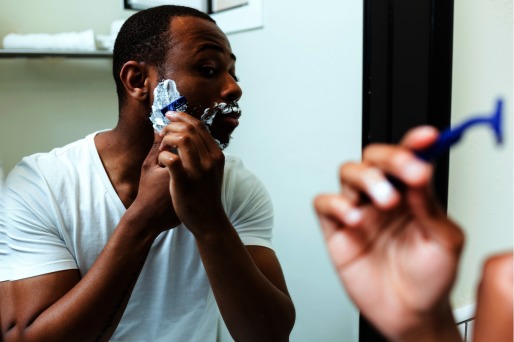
(210, 113)
(223, 109)
(167, 97)
(164, 94)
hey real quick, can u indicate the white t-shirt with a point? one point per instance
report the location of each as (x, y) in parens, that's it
(62, 209)
(4, 250)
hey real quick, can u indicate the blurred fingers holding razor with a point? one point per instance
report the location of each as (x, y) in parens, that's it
(393, 247)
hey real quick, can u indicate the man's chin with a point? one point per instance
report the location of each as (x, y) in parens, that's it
(223, 144)
(221, 134)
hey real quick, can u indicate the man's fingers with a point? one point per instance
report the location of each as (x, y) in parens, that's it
(400, 163)
(433, 219)
(346, 235)
(185, 135)
(199, 128)
(351, 194)
(168, 159)
(420, 138)
(386, 167)
(336, 212)
(369, 180)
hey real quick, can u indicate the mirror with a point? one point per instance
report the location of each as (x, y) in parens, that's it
(301, 74)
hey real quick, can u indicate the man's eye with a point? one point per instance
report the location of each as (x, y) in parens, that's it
(208, 71)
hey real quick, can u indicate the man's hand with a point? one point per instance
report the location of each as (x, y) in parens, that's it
(153, 201)
(196, 165)
(396, 253)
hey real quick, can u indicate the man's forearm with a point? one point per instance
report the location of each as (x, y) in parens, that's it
(93, 308)
(253, 308)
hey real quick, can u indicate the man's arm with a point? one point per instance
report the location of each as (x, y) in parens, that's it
(61, 306)
(247, 282)
(6, 307)
(249, 288)
(494, 317)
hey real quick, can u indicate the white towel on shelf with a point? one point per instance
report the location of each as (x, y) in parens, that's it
(104, 42)
(77, 41)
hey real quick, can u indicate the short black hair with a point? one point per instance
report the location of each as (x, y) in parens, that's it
(145, 37)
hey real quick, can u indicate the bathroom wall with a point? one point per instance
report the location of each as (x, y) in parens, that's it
(46, 103)
(301, 75)
(481, 172)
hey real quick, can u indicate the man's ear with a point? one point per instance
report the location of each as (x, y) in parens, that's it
(135, 78)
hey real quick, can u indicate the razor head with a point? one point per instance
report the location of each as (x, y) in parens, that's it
(179, 105)
(496, 121)
(451, 136)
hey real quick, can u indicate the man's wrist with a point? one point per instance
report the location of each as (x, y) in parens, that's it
(138, 224)
(440, 327)
(211, 228)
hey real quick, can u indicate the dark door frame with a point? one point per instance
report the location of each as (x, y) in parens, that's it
(407, 71)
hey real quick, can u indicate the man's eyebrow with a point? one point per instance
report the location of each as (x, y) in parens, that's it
(216, 47)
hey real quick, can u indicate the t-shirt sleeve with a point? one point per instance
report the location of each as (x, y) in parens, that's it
(248, 205)
(4, 248)
(31, 222)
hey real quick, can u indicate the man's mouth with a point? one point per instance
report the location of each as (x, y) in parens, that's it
(223, 109)
(230, 109)
(228, 113)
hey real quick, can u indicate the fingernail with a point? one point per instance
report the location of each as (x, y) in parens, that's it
(353, 216)
(414, 170)
(382, 192)
(170, 114)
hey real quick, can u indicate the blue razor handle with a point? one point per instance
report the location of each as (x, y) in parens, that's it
(177, 105)
(451, 136)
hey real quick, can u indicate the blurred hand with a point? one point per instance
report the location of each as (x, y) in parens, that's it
(397, 253)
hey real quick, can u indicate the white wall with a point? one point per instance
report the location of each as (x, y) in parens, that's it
(481, 173)
(46, 103)
(301, 75)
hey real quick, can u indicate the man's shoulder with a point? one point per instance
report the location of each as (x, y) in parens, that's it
(56, 161)
(75, 149)
(232, 161)
(234, 167)
(240, 179)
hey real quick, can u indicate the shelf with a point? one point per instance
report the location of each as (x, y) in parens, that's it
(35, 53)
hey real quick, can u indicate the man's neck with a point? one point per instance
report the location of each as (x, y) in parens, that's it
(122, 151)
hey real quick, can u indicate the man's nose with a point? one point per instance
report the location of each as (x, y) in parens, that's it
(231, 91)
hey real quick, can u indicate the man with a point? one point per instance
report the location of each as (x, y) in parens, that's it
(397, 253)
(99, 248)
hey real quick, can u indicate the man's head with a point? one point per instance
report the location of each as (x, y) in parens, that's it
(186, 46)
(145, 37)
